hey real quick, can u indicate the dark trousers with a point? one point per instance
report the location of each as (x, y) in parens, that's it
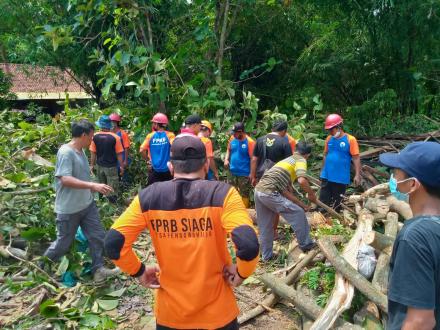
(67, 225)
(331, 193)
(154, 176)
(230, 326)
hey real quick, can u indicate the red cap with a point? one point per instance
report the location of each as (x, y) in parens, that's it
(333, 120)
(115, 117)
(160, 118)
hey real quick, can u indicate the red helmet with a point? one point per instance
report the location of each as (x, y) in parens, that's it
(333, 120)
(115, 117)
(160, 118)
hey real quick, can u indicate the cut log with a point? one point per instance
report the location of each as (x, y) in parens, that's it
(381, 189)
(272, 299)
(380, 278)
(373, 152)
(303, 303)
(377, 205)
(329, 209)
(380, 242)
(400, 207)
(349, 219)
(346, 270)
(368, 315)
(343, 292)
(353, 199)
(373, 170)
(367, 175)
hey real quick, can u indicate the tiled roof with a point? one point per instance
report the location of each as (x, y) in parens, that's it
(42, 81)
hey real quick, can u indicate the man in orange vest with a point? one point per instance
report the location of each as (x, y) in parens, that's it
(204, 135)
(189, 220)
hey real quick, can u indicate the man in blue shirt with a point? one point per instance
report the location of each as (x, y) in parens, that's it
(414, 281)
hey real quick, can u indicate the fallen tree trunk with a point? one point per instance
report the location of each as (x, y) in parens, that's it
(373, 170)
(380, 277)
(343, 292)
(272, 299)
(346, 270)
(329, 209)
(382, 189)
(377, 205)
(368, 176)
(303, 303)
(380, 242)
(400, 207)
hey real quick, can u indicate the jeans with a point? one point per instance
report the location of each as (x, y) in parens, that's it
(267, 207)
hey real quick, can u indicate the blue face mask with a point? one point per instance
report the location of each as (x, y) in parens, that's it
(395, 192)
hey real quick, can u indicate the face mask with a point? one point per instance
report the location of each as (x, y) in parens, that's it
(395, 191)
(337, 134)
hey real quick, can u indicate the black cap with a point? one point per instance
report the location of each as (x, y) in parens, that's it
(420, 160)
(238, 127)
(193, 119)
(187, 147)
(279, 125)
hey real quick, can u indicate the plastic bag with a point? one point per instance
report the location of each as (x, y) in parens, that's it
(366, 261)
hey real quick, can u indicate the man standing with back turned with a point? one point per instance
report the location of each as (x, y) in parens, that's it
(106, 151)
(414, 279)
(188, 220)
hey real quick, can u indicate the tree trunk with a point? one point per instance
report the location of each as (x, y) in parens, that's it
(360, 282)
(400, 207)
(150, 31)
(343, 292)
(221, 48)
(377, 205)
(380, 278)
(380, 242)
(272, 299)
(303, 303)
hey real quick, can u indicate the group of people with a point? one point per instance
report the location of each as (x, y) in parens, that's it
(190, 214)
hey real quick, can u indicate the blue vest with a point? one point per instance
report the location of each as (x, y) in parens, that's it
(240, 161)
(160, 151)
(338, 161)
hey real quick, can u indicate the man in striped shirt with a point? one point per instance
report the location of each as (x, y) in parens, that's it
(274, 195)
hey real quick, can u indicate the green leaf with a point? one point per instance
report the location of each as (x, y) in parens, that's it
(131, 83)
(106, 41)
(62, 268)
(90, 320)
(107, 305)
(125, 59)
(251, 280)
(49, 309)
(116, 293)
(33, 234)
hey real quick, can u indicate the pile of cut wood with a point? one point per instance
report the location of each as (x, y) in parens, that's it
(363, 211)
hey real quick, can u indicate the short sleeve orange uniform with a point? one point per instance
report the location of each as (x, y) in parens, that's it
(188, 221)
